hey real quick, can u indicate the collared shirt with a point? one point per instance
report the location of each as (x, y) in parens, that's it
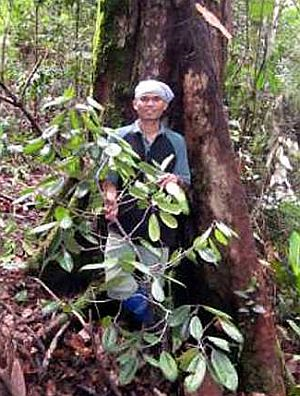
(181, 167)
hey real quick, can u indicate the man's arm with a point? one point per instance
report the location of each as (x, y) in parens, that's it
(110, 197)
(181, 173)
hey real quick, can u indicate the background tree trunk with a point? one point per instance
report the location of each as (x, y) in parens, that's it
(171, 41)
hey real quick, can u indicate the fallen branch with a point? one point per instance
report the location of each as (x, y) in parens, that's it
(53, 346)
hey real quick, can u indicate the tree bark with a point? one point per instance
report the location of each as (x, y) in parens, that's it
(170, 41)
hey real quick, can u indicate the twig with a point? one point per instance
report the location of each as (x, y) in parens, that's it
(16, 102)
(32, 73)
(8, 198)
(57, 299)
(53, 346)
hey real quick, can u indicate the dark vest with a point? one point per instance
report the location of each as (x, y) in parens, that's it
(130, 215)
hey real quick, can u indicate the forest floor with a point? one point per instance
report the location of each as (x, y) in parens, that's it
(44, 353)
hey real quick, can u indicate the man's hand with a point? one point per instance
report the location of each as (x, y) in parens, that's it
(111, 207)
(167, 178)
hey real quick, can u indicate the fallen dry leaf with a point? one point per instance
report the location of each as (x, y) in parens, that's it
(17, 381)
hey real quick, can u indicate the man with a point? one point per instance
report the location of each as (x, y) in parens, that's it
(153, 142)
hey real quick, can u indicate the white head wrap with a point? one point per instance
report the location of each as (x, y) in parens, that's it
(154, 87)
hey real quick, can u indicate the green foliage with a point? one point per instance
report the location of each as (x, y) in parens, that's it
(189, 360)
(294, 258)
(76, 137)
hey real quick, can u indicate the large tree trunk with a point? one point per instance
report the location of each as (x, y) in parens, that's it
(169, 40)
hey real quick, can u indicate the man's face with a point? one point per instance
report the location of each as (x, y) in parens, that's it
(149, 107)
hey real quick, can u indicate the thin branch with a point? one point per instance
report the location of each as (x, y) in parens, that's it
(16, 102)
(53, 345)
(7, 100)
(32, 73)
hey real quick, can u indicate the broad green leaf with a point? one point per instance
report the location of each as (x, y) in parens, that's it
(71, 165)
(294, 326)
(201, 241)
(56, 102)
(92, 102)
(224, 370)
(294, 252)
(186, 358)
(197, 361)
(151, 338)
(220, 343)
(153, 228)
(231, 330)
(215, 249)
(74, 119)
(50, 131)
(28, 193)
(168, 207)
(110, 262)
(168, 366)
(61, 212)
(21, 296)
(137, 192)
(191, 255)
(176, 257)
(142, 186)
(71, 244)
(101, 142)
(47, 153)
(34, 146)
(63, 216)
(220, 237)
(148, 169)
(166, 162)
(173, 189)
(51, 188)
(151, 360)
(196, 328)
(50, 307)
(141, 267)
(208, 255)
(169, 220)
(128, 370)
(216, 312)
(193, 381)
(179, 315)
(227, 231)
(43, 227)
(177, 192)
(90, 238)
(66, 261)
(82, 189)
(152, 249)
(157, 291)
(66, 223)
(94, 266)
(126, 171)
(109, 338)
(198, 369)
(112, 150)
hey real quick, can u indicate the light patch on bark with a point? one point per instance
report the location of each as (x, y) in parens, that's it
(196, 106)
(153, 32)
(220, 193)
